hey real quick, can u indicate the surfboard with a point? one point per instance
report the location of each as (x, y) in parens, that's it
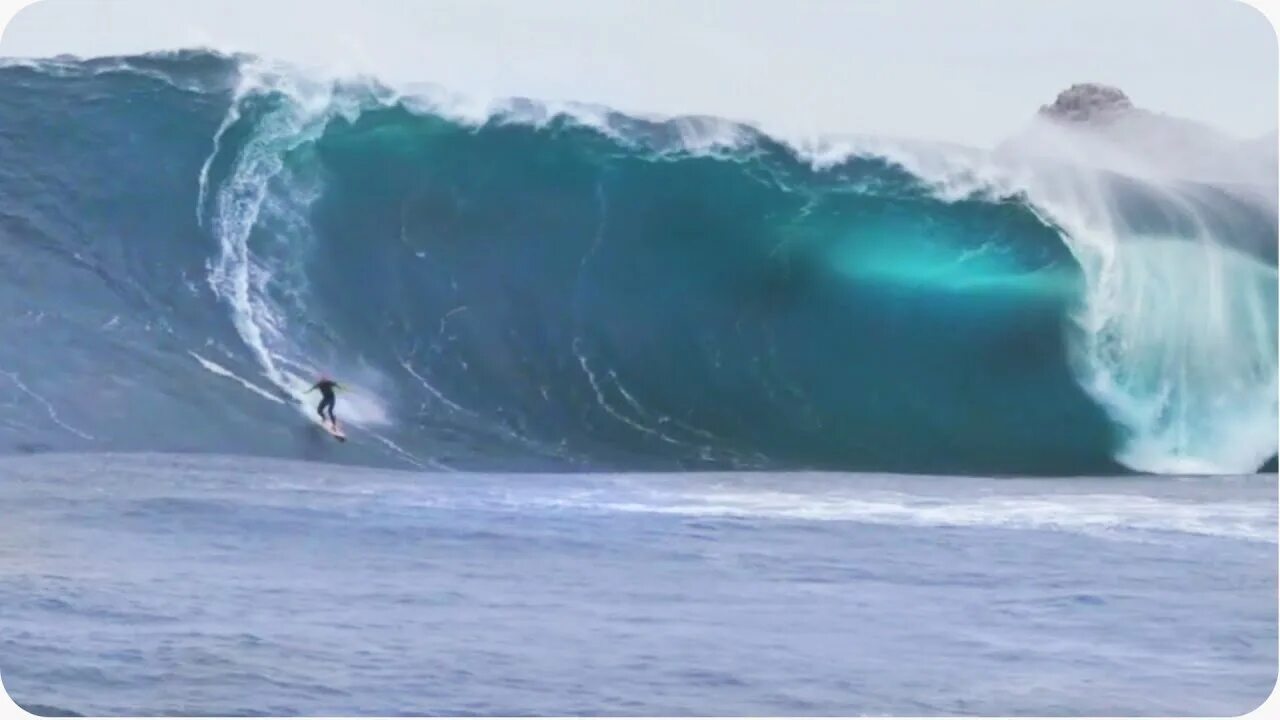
(335, 431)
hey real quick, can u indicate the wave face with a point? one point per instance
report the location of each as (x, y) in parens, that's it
(187, 239)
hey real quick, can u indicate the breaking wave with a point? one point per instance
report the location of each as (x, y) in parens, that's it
(187, 239)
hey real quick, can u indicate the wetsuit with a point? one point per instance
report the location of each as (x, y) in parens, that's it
(326, 400)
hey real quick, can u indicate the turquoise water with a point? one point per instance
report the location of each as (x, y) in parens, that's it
(592, 291)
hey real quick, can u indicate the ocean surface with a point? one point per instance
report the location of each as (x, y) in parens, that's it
(646, 415)
(186, 585)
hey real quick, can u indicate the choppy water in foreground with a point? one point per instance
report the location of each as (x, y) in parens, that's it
(193, 585)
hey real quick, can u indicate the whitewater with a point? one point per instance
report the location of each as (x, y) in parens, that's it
(646, 415)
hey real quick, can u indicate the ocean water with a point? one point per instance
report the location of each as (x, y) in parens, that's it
(646, 415)
(154, 584)
(186, 239)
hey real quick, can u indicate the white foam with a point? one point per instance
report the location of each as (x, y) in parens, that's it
(221, 371)
(1085, 513)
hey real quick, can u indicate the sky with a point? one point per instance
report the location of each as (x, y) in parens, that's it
(965, 71)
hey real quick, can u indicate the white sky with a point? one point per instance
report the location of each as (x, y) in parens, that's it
(969, 71)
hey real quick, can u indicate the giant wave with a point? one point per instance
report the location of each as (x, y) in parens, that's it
(187, 238)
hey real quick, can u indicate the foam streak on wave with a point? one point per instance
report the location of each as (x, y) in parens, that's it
(220, 371)
(48, 406)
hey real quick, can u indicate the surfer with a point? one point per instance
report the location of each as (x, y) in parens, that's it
(327, 400)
